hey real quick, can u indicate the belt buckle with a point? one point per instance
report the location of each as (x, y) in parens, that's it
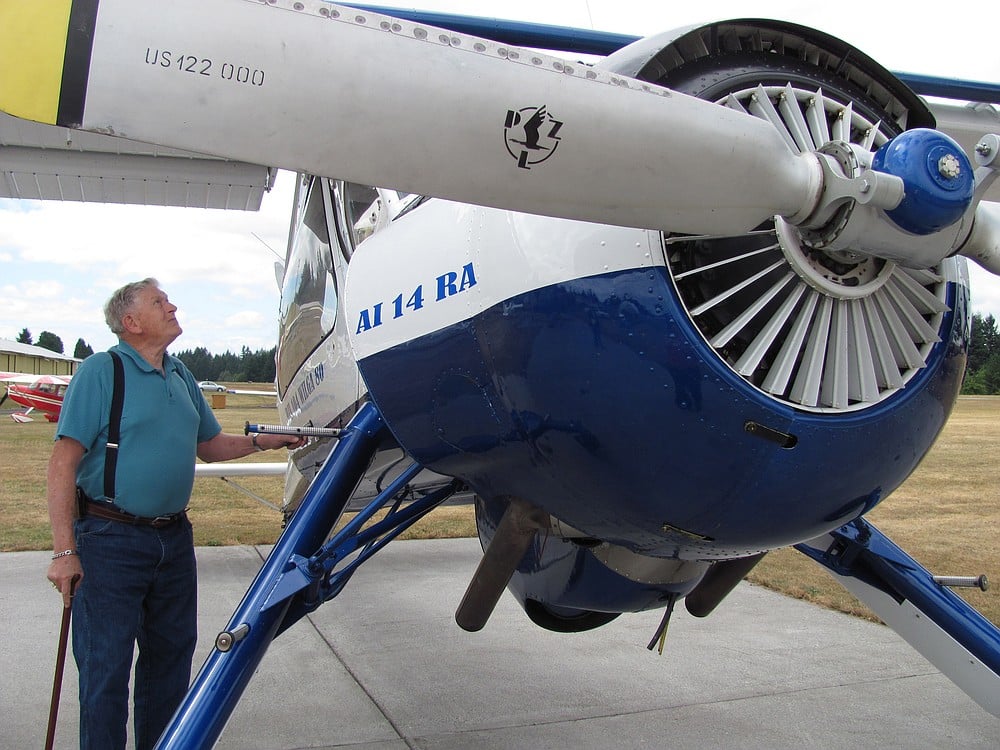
(163, 520)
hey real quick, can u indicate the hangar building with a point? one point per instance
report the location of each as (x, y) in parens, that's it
(34, 360)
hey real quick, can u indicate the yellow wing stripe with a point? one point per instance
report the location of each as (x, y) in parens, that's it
(32, 50)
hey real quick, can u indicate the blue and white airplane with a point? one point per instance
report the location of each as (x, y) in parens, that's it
(704, 298)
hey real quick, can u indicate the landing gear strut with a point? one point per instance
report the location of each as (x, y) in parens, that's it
(298, 576)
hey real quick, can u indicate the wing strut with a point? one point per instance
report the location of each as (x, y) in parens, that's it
(942, 626)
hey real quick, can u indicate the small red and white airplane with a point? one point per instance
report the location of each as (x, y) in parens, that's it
(46, 392)
(42, 392)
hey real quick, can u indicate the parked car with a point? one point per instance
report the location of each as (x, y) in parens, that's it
(208, 385)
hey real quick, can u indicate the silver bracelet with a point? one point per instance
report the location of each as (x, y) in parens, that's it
(256, 444)
(64, 553)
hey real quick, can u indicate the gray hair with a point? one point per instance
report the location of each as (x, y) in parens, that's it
(118, 306)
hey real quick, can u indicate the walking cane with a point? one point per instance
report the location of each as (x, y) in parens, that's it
(50, 735)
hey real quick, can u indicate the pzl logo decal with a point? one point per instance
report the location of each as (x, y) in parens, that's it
(531, 135)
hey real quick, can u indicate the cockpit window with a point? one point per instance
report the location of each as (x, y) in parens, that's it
(362, 210)
(308, 307)
(359, 211)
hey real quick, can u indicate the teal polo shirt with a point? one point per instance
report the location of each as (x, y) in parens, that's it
(164, 418)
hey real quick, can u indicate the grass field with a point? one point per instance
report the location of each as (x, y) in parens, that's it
(947, 514)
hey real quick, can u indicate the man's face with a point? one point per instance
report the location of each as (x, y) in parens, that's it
(153, 316)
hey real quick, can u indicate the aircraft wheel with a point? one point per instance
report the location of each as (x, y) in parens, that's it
(566, 621)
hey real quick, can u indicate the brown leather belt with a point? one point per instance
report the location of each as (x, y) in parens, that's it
(107, 512)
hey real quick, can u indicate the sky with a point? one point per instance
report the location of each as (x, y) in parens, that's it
(61, 261)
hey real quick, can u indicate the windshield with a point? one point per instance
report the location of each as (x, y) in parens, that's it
(308, 307)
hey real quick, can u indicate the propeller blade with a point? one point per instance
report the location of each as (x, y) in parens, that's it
(324, 89)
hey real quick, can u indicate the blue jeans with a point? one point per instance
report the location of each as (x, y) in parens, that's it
(139, 586)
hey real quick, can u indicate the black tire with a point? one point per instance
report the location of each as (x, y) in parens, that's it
(578, 622)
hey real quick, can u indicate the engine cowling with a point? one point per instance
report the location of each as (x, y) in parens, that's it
(602, 399)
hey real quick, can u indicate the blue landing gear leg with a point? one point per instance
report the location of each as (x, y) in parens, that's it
(947, 630)
(297, 577)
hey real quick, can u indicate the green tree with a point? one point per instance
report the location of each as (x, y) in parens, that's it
(986, 380)
(257, 366)
(24, 337)
(973, 384)
(48, 340)
(198, 361)
(82, 350)
(982, 370)
(985, 341)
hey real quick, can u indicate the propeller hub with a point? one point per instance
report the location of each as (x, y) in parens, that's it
(840, 274)
(938, 177)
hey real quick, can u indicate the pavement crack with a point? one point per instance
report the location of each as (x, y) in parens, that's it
(357, 680)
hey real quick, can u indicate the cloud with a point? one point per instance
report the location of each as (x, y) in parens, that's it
(245, 318)
(34, 290)
(65, 259)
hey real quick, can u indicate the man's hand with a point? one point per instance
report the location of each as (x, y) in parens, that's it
(61, 481)
(66, 573)
(270, 441)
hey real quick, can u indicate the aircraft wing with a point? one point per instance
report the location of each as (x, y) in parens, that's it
(48, 162)
(240, 392)
(17, 377)
(229, 471)
(226, 469)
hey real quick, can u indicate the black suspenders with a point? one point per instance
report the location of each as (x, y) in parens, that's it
(114, 426)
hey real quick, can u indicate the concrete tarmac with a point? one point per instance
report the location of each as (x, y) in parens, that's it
(385, 667)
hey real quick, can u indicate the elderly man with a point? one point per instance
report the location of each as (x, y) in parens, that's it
(119, 527)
